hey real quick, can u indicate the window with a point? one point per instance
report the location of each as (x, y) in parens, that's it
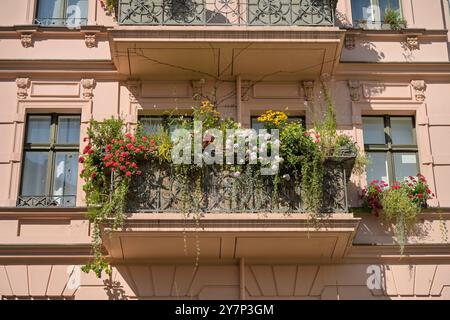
(372, 11)
(50, 161)
(255, 124)
(390, 144)
(155, 124)
(70, 13)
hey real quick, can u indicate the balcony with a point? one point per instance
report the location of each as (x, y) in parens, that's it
(158, 190)
(227, 12)
(65, 201)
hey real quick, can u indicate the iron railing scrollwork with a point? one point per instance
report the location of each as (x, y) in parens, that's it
(46, 201)
(227, 12)
(160, 189)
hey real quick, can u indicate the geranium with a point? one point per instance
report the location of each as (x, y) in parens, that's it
(372, 195)
(419, 190)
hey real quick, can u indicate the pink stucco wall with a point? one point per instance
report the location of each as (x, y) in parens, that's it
(381, 74)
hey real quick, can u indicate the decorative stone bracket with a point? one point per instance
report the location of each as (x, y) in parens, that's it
(90, 39)
(22, 87)
(419, 87)
(88, 86)
(355, 90)
(197, 86)
(134, 88)
(26, 38)
(350, 42)
(412, 42)
(308, 89)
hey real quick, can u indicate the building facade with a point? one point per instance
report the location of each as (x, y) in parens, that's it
(64, 62)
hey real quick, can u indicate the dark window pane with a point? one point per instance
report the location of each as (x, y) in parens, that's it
(373, 130)
(388, 4)
(152, 125)
(361, 10)
(34, 178)
(402, 131)
(38, 129)
(65, 174)
(405, 165)
(377, 168)
(68, 130)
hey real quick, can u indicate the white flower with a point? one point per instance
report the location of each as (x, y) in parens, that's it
(236, 174)
(267, 136)
(274, 167)
(236, 145)
(287, 177)
(253, 156)
(276, 142)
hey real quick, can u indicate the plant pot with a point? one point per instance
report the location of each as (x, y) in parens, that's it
(386, 26)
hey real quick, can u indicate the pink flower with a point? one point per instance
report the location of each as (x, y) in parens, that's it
(128, 173)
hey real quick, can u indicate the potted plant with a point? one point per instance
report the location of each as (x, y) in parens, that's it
(362, 23)
(393, 20)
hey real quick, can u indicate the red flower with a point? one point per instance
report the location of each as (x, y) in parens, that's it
(129, 145)
(134, 165)
(420, 196)
(138, 172)
(93, 175)
(87, 148)
(128, 173)
(81, 160)
(122, 168)
(108, 147)
(129, 135)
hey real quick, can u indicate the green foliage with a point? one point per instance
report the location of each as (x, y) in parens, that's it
(394, 19)
(400, 210)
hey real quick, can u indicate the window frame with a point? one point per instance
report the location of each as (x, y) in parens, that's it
(391, 149)
(63, 19)
(377, 23)
(51, 148)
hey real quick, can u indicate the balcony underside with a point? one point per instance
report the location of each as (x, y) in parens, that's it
(232, 236)
(182, 53)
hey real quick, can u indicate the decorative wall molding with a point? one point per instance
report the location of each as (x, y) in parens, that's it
(355, 90)
(26, 38)
(134, 88)
(90, 39)
(419, 87)
(412, 42)
(197, 86)
(308, 88)
(350, 42)
(245, 90)
(88, 88)
(23, 84)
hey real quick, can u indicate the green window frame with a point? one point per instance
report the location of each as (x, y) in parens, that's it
(399, 157)
(50, 160)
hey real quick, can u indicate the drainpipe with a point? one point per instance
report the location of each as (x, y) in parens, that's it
(242, 279)
(238, 99)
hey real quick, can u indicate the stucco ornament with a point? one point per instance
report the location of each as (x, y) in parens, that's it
(90, 40)
(197, 86)
(134, 88)
(308, 88)
(355, 90)
(350, 42)
(419, 87)
(22, 87)
(246, 86)
(88, 88)
(26, 39)
(412, 42)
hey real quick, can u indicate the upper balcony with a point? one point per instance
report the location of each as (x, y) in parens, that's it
(227, 12)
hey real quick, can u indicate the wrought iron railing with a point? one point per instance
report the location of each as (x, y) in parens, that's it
(160, 189)
(46, 201)
(61, 22)
(227, 12)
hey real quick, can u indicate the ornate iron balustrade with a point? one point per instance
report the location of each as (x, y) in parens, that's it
(227, 12)
(61, 22)
(46, 201)
(159, 189)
